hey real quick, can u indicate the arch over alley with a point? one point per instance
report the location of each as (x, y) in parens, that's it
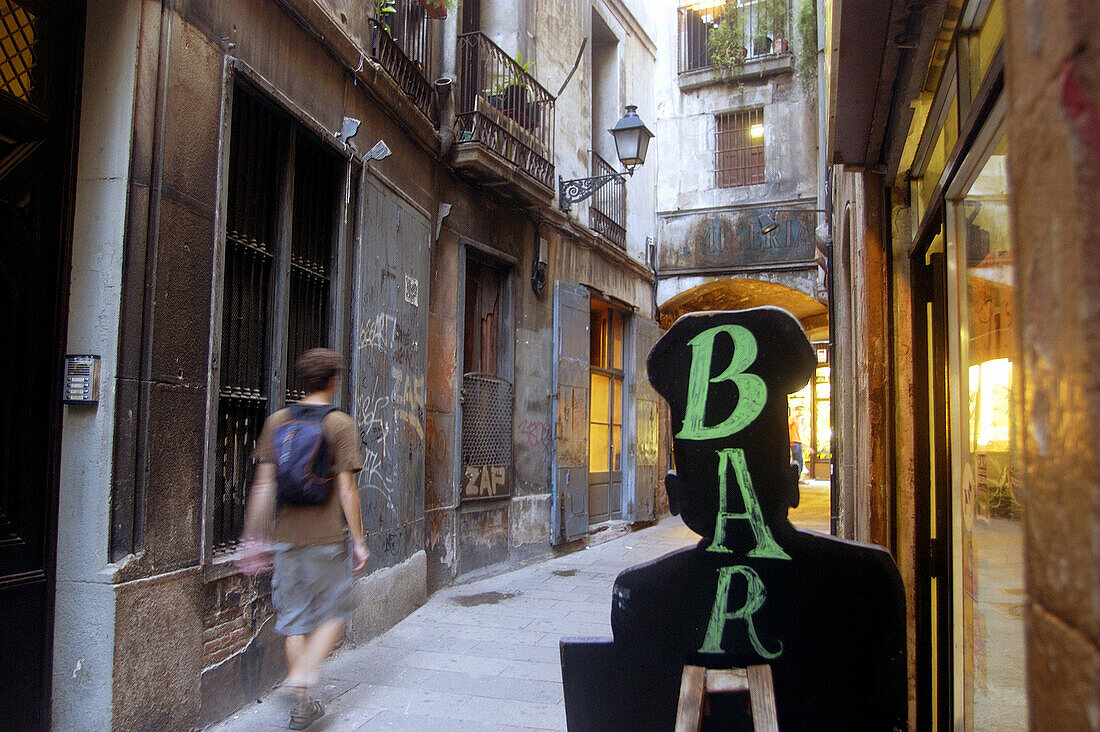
(737, 293)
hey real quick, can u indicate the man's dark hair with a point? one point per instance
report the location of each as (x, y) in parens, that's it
(316, 366)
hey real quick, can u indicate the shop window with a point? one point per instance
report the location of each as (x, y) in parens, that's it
(739, 148)
(283, 187)
(991, 536)
(605, 453)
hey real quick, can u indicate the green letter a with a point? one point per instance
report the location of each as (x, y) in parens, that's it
(766, 545)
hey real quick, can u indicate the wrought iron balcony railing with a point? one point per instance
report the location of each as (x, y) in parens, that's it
(401, 44)
(502, 107)
(607, 207)
(762, 36)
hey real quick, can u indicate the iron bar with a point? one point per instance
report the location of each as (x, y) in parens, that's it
(501, 106)
(607, 210)
(401, 44)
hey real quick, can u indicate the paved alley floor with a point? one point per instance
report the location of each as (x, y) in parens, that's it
(483, 655)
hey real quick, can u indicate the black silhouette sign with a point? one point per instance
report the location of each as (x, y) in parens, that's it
(827, 615)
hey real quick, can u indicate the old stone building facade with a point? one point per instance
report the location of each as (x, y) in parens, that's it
(229, 208)
(742, 144)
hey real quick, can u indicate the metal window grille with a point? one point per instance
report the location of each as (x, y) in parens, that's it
(246, 307)
(607, 207)
(18, 44)
(486, 420)
(402, 45)
(695, 28)
(739, 148)
(315, 180)
(260, 144)
(697, 20)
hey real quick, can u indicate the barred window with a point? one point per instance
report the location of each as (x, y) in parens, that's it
(281, 225)
(739, 148)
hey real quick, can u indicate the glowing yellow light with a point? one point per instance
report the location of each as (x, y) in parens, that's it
(705, 9)
(990, 403)
(705, 5)
(756, 131)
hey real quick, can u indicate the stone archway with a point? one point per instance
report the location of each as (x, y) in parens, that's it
(740, 293)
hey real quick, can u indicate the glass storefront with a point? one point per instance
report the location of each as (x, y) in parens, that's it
(810, 408)
(989, 594)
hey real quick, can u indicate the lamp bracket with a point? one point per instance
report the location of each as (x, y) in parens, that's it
(578, 189)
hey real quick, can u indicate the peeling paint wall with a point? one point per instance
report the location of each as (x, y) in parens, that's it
(703, 227)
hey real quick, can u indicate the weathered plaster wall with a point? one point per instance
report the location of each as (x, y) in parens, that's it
(85, 603)
(1052, 59)
(702, 226)
(558, 29)
(462, 536)
(905, 427)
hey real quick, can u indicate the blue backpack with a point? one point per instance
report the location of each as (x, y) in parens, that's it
(303, 464)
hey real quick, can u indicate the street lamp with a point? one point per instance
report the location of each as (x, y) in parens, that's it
(631, 145)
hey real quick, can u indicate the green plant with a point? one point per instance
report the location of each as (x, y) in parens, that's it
(524, 64)
(806, 57)
(772, 20)
(508, 77)
(726, 41)
(382, 10)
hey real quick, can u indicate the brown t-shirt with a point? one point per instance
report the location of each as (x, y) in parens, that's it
(323, 524)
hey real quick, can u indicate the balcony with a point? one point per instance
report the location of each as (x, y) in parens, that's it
(401, 44)
(504, 125)
(766, 45)
(607, 207)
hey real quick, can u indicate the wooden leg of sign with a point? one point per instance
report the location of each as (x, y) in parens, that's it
(762, 698)
(696, 682)
(689, 714)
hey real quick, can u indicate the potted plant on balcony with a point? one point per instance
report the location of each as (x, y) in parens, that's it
(726, 40)
(773, 22)
(437, 9)
(517, 95)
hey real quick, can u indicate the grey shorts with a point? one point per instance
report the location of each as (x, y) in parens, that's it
(311, 584)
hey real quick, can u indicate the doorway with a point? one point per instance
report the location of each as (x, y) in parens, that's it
(605, 426)
(40, 49)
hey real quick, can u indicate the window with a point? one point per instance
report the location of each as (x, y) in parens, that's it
(282, 210)
(605, 453)
(487, 397)
(739, 148)
(482, 322)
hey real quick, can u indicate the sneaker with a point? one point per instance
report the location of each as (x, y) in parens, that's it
(303, 716)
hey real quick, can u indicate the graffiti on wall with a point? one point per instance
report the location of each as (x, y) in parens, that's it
(535, 434)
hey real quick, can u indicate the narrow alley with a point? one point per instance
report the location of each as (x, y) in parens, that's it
(483, 655)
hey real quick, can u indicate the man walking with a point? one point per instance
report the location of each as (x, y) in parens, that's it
(794, 430)
(313, 491)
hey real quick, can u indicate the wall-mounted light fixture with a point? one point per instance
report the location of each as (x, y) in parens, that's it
(631, 144)
(767, 221)
(378, 152)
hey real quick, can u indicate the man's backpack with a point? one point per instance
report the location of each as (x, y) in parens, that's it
(303, 461)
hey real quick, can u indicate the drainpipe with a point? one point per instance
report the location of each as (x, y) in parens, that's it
(445, 103)
(444, 85)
